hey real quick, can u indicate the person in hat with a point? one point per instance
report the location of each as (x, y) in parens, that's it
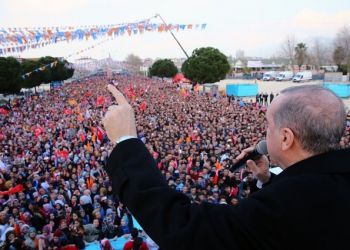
(55, 241)
(63, 227)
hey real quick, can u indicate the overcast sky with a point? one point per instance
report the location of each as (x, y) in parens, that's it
(254, 26)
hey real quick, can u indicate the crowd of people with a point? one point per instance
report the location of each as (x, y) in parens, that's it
(53, 150)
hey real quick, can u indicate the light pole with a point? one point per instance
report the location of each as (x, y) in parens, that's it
(173, 35)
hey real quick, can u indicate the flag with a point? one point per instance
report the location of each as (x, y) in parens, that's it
(72, 102)
(68, 111)
(89, 182)
(196, 87)
(62, 153)
(82, 137)
(17, 230)
(14, 190)
(100, 134)
(93, 137)
(175, 163)
(38, 130)
(4, 110)
(100, 100)
(143, 106)
(218, 167)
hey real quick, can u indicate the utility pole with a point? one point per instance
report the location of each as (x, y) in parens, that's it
(174, 36)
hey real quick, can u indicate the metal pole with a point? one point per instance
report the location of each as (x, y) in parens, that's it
(174, 36)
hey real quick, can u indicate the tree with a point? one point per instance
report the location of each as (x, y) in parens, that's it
(60, 72)
(133, 60)
(11, 81)
(338, 56)
(300, 54)
(163, 68)
(32, 80)
(287, 48)
(319, 53)
(239, 54)
(206, 65)
(342, 40)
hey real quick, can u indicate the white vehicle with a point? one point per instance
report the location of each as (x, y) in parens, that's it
(303, 76)
(285, 76)
(270, 75)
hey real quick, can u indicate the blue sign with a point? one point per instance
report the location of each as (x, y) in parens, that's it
(56, 84)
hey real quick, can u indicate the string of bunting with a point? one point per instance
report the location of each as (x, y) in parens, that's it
(17, 40)
(70, 65)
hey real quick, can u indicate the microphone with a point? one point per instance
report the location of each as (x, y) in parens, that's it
(261, 149)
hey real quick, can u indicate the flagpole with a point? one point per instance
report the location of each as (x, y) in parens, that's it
(173, 36)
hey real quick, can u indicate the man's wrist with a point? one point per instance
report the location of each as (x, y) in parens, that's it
(124, 138)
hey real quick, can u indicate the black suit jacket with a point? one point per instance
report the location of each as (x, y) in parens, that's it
(307, 206)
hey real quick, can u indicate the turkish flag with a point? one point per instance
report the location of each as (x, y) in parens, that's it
(100, 134)
(4, 111)
(68, 111)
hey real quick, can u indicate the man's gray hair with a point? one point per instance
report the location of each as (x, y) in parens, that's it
(315, 114)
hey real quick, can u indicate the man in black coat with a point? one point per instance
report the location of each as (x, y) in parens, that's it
(304, 207)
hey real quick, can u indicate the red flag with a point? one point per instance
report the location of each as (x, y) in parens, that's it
(218, 167)
(175, 164)
(100, 134)
(62, 153)
(143, 106)
(17, 230)
(38, 130)
(4, 111)
(100, 100)
(216, 177)
(14, 190)
(82, 137)
(68, 111)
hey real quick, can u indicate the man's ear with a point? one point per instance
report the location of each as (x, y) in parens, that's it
(287, 138)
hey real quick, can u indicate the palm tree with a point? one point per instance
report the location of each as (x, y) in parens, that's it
(300, 54)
